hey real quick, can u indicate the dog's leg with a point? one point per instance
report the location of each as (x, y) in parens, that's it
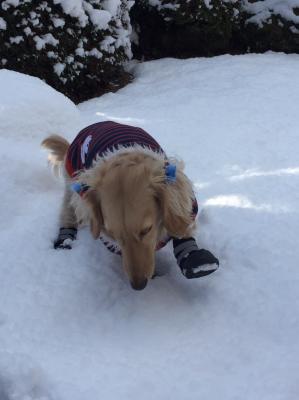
(67, 222)
(193, 262)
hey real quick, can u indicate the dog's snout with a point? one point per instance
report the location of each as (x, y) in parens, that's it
(139, 285)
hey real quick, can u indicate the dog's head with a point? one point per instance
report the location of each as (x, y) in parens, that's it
(130, 200)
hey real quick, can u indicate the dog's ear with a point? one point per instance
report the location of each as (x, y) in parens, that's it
(175, 200)
(96, 217)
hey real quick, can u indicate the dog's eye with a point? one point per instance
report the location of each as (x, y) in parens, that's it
(145, 231)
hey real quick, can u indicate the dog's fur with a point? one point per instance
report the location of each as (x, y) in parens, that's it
(129, 201)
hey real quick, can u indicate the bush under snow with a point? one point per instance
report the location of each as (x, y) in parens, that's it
(80, 46)
(77, 46)
(272, 25)
(210, 27)
(263, 11)
(182, 29)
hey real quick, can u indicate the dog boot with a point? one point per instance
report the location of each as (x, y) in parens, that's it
(194, 262)
(65, 238)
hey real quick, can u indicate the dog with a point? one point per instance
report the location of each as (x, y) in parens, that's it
(135, 199)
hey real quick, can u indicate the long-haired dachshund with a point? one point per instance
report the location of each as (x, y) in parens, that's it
(135, 199)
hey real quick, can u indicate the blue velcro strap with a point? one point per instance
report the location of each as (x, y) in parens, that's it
(170, 173)
(79, 188)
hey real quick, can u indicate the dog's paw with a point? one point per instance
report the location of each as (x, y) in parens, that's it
(199, 263)
(65, 238)
(63, 244)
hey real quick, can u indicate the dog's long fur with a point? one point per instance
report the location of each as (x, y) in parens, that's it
(127, 200)
(58, 147)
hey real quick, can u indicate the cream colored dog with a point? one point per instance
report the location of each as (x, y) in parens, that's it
(119, 181)
(129, 201)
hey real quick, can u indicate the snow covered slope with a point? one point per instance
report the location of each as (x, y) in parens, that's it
(70, 326)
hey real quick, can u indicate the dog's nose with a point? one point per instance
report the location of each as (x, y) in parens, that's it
(139, 285)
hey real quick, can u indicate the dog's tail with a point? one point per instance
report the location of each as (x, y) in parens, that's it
(58, 147)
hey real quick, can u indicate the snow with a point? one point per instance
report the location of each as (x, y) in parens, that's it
(29, 108)
(100, 18)
(22, 380)
(16, 39)
(263, 10)
(8, 3)
(70, 326)
(174, 5)
(80, 51)
(81, 9)
(107, 44)
(2, 24)
(154, 3)
(58, 22)
(51, 54)
(75, 9)
(28, 31)
(160, 5)
(59, 68)
(112, 6)
(96, 53)
(43, 40)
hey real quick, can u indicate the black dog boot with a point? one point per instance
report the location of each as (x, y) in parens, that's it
(65, 238)
(194, 262)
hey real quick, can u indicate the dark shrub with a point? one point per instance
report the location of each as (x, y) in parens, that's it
(179, 28)
(77, 46)
(270, 26)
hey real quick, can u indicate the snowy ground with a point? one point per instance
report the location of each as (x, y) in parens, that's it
(70, 326)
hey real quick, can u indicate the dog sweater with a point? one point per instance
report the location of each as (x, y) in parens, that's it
(101, 138)
(98, 139)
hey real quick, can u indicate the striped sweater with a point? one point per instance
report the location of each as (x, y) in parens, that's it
(98, 139)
